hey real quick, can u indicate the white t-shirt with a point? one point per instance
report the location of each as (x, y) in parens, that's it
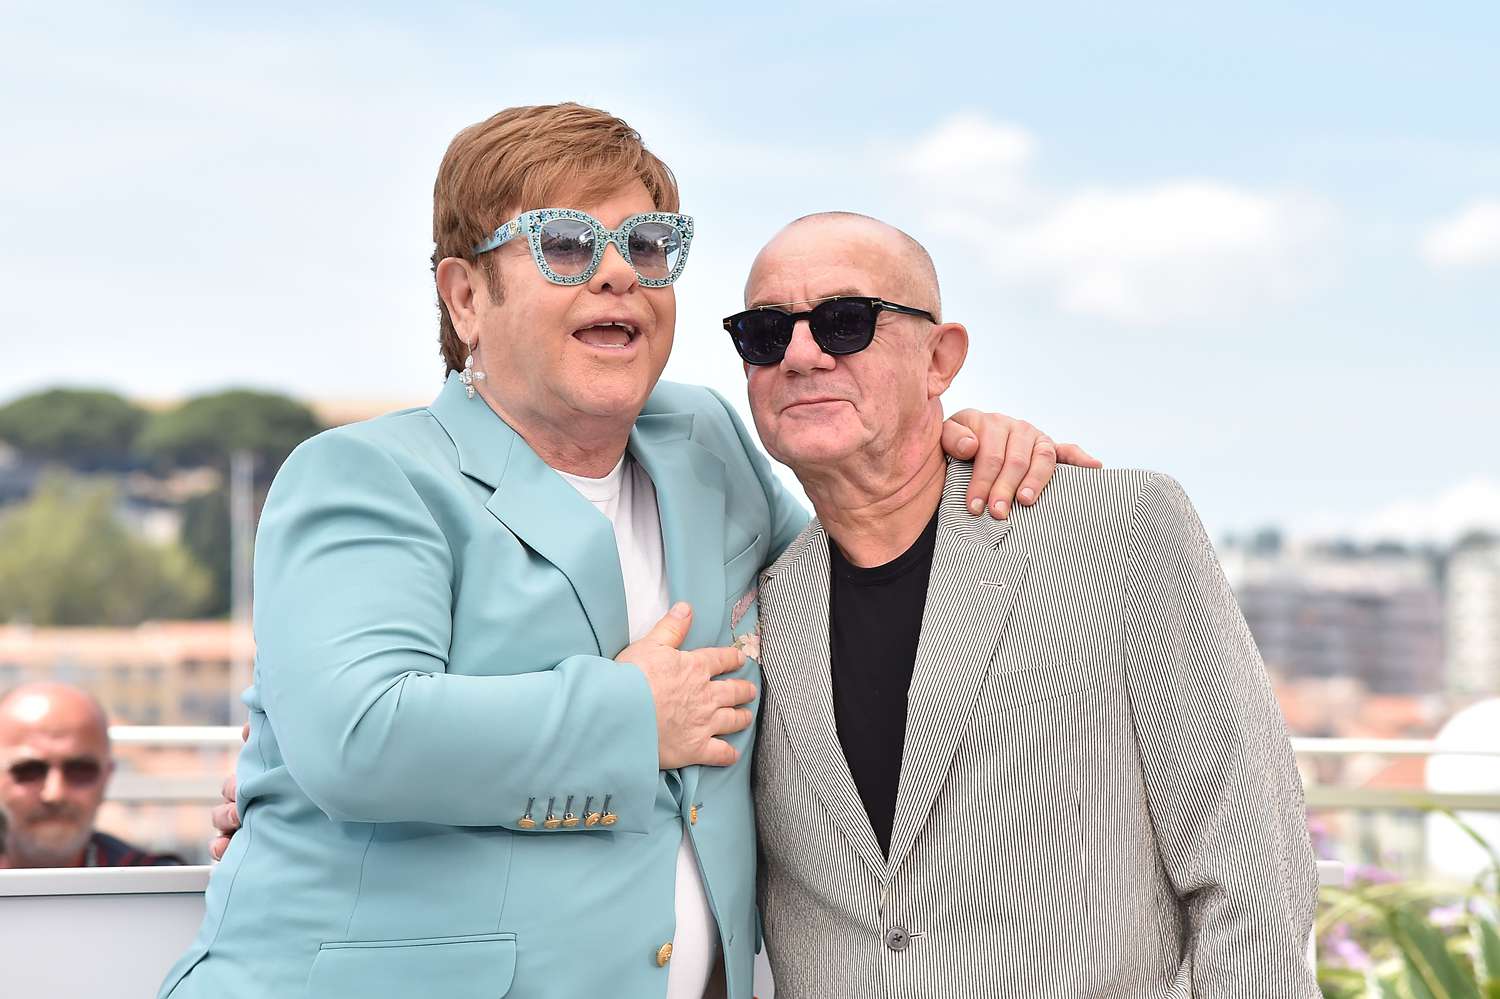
(627, 497)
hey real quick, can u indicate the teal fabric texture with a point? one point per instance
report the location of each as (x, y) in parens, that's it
(436, 616)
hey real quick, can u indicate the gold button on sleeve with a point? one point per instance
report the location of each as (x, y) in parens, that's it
(663, 955)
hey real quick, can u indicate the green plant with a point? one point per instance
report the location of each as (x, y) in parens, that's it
(1414, 939)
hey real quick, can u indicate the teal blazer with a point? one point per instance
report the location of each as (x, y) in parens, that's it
(436, 616)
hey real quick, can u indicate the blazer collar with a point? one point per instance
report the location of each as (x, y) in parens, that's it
(971, 590)
(549, 515)
(690, 497)
(541, 509)
(973, 586)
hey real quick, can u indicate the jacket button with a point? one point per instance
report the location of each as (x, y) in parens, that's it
(897, 938)
(664, 955)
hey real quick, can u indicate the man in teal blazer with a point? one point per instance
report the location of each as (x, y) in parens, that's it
(467, 774)
(383, 849)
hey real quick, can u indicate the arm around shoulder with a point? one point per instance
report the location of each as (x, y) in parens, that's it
(353, 621)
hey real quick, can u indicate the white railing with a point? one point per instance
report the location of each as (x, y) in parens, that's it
(203, 788)
(1334, 796)
(200, 736)
(1386, 747)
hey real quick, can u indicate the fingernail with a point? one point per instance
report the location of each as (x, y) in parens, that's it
(976, 506)
(1000, 508)
(967, 443)
(1027, 495)
(681, 609)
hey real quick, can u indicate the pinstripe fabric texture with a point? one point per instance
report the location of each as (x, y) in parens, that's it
(1097, 796)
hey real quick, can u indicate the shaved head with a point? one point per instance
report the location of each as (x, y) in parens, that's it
(54, 767)
(863, 415)
(908, 265)
(49, 704)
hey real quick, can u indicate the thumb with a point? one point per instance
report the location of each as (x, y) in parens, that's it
(672, 629)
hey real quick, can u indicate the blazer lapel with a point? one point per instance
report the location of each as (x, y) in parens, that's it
(796, 663)
(973, 585)
(541, 509)
(689, 482)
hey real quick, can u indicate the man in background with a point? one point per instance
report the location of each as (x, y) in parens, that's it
(55, 765)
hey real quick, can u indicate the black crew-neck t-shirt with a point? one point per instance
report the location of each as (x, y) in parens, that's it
(874, 623)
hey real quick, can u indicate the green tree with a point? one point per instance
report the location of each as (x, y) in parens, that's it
(87, 429)
(205, 430)
(205, 534)
(67, 559)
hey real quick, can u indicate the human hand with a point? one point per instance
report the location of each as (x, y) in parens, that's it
(226, 817)
(1013, 460)
(692, 707)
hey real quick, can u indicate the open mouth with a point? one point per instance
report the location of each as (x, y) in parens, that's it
(608, 336)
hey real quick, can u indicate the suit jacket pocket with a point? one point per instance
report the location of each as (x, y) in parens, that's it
(468, 967)
(747, 563)
(1019, 686)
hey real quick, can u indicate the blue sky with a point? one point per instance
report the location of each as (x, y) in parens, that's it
(1258, 249)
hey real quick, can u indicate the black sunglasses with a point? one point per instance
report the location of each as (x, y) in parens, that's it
(80, 771)
(843, 325)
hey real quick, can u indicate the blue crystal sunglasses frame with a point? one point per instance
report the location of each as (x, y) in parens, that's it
(532, 223)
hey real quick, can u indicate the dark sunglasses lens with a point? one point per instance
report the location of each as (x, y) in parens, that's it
(655, 248)
(29, 771)
(762, 335)
(81, 773)
(843, 326)
(568, 246)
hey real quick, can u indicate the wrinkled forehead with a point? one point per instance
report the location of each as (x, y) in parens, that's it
(807, 263)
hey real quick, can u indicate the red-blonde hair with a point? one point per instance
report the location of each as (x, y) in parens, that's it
(525, 158)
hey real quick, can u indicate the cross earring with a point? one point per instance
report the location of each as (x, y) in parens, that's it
(469, 376)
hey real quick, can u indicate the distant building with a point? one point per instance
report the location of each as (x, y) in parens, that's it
(160, 673)
(1472, 621)
(1322, 612)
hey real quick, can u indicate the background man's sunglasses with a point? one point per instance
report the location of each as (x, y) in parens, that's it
(80, 771)
(843, 325)
(568, 245)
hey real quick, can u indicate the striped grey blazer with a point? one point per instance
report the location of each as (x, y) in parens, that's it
(1097, 796)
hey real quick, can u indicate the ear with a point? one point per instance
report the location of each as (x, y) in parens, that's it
(950, 345)
(459, 286)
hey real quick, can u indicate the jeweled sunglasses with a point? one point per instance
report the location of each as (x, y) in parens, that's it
(840, 325)
(567, 244)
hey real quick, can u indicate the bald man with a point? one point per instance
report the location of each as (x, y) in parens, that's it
(55, 764)
(1034, 757)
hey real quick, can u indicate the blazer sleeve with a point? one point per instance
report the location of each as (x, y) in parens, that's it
(1222, 786)
(788, 516)
(353, 618)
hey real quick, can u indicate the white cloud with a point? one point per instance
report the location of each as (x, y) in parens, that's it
(1173, 251)
(971, 153)
(1468, 506)
(1469, 239)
